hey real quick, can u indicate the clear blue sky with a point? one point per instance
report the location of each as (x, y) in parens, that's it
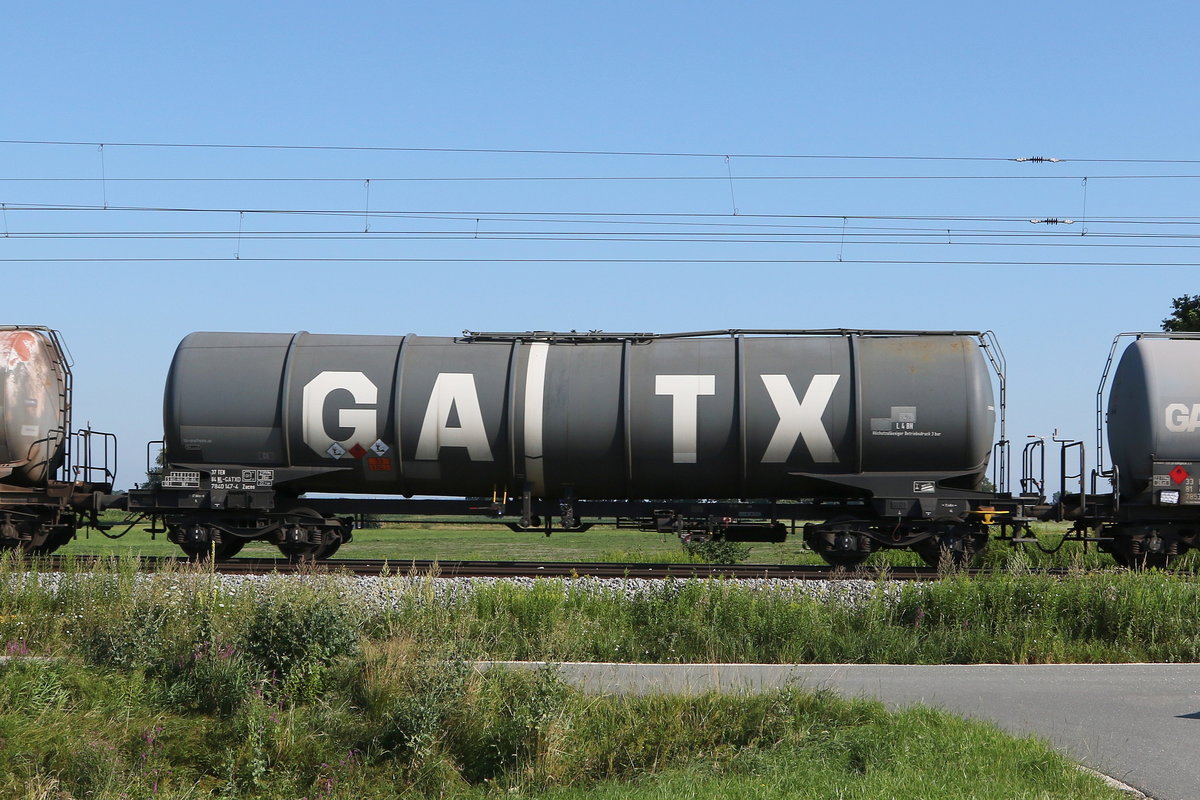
(1072, 80)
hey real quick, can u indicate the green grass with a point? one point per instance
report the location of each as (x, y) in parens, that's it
(1118, 617)
(1005, 618)
(180, 688)
(390, 723)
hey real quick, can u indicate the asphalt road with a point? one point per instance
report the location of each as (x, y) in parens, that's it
(1139, 723)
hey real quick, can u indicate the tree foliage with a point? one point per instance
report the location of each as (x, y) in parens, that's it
(1185, 315)
(154, 473)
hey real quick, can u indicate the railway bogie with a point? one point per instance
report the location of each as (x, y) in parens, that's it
(41, 528)
(1150, 544)
(299, 533)
(942, 542)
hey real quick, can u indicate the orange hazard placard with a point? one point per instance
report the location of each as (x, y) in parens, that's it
(379, 464)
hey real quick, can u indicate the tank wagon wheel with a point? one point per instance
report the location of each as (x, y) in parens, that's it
(1156, 561)
(220, 552)
(35, 534)
(843, 528)
(53, 541)
(201, 548)
(297, 543)
(331, 546)
(195, 552)
(1116, 547)
(1148, 545)
(230, 548)
(1128, 556)
(953, 544)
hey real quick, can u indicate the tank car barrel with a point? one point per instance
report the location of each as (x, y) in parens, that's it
(584, 416)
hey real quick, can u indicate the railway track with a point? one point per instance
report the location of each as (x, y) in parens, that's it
(573, 569)
(513, 569)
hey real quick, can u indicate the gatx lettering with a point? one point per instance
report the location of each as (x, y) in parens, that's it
(453, 392)
(798, 419)
(685, 392)
(1182, 418)
(453, 416)
(360, 420)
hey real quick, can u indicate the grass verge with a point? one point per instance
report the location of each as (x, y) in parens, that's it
(117, 616)
(1009, 619)
(187, 685)
(391, 724)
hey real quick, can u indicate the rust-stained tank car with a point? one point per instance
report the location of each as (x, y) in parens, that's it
(44, 495)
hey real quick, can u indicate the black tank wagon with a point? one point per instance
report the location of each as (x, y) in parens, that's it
(885, 435)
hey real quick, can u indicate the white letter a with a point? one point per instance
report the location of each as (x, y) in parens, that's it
(453, 390)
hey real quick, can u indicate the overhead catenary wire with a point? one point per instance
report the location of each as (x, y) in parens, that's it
(611, 237)
(577, 215)
(590, 178)
(240, 238)
(606, 226)
(588, 152)
(898, 239)
(806, 232)
(568, 260)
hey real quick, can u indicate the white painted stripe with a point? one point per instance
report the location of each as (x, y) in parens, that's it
(535, 390)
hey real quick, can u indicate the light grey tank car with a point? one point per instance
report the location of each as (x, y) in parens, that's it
(1153, 426)
(1154, 417)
